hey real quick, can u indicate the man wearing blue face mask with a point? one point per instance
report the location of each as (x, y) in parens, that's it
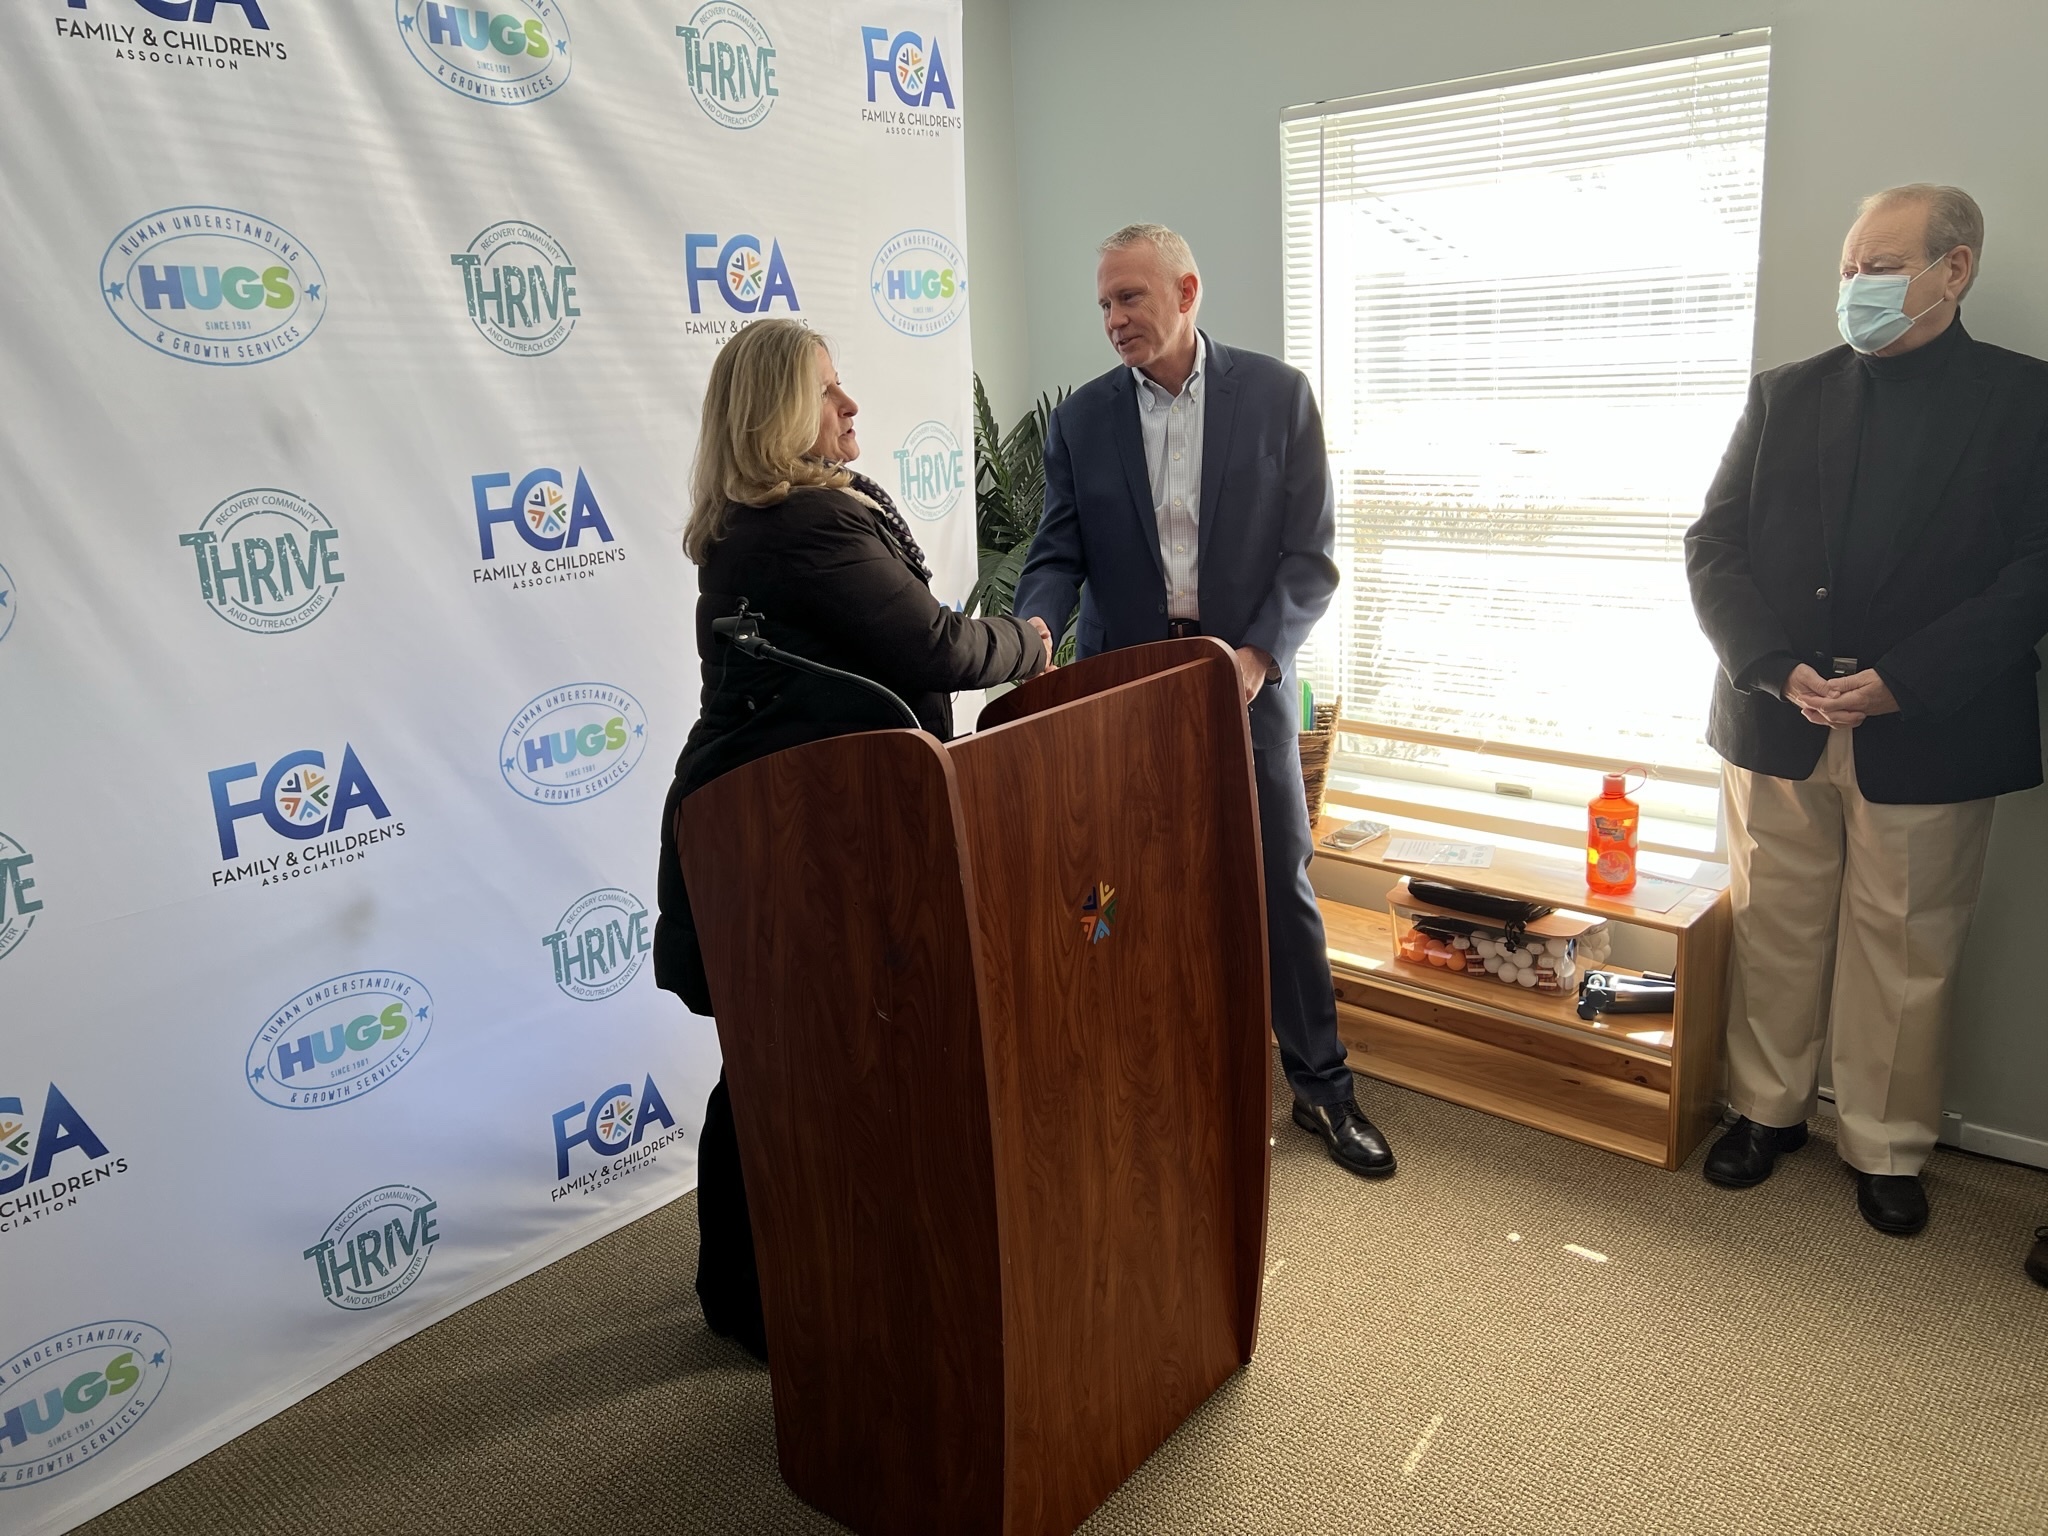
(1872, 570)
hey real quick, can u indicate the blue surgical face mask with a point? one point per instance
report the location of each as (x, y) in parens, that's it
(1870, 310)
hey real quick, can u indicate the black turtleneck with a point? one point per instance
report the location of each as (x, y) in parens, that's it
(1892, 462)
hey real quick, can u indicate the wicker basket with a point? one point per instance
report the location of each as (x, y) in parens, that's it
(1318, 743)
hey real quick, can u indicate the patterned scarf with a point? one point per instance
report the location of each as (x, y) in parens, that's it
(870, 492)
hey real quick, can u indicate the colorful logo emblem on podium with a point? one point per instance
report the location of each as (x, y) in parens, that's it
(1098, 911)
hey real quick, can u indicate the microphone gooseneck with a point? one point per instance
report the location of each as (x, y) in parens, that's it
(742, 631)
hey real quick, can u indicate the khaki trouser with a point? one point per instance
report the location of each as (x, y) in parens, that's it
(1808, 860)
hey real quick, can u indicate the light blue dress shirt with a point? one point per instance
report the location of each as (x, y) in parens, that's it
(1172, 428)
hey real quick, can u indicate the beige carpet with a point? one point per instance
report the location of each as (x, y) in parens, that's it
(1758, 1362)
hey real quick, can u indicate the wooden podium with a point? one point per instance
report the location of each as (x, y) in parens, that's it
(995, 1024)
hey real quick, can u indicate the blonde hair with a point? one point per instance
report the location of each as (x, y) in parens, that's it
(759, 421)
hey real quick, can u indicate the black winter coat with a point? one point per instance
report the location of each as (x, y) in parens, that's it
(831, 584)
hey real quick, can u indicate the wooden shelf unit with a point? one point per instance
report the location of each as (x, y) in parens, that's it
(1641, 1085)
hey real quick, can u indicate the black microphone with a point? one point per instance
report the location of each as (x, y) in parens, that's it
(742, 631)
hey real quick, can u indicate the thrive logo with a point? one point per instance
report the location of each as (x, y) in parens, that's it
(509, 53)
(598, 945)
(373, 1251)
(931, 471)
(612, 1124)
(729, 63)
(573, 743)
(301, 799)
(919, 282)
(550, 516)
(18, 908)
(213, 285)
(200, 47)
(66, 1398)
(516, 278)
(749, 281)
(32, 1137)
(8, 605)
(268, 560)
(339, 1039)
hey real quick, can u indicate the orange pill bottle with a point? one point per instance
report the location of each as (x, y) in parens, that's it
(1611, 824)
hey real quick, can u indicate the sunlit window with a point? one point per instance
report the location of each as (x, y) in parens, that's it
(1526, 305)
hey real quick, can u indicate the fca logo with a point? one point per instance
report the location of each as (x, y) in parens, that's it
(200, 11)
(747, 280)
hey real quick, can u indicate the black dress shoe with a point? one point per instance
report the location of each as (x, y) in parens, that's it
(1747, 1152)
(1355, 1142)
(1892, 1202)
(2037, 1261)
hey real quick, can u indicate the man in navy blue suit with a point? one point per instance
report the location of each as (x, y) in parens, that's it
(1189, 491)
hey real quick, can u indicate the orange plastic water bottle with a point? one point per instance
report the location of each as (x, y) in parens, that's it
(1611, 839)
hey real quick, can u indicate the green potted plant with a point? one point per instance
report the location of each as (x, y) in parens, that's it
(1009, 499)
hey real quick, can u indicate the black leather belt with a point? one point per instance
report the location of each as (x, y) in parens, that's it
(1181, 629)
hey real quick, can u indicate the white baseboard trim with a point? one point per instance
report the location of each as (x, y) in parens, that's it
(211, 1436)
(2010, 1145)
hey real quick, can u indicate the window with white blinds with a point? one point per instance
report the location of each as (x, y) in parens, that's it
(1525, 302)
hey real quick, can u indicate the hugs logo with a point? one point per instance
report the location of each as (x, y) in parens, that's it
(516, 279)
(931, 471)
(213, 285)
(373, 1251)
(268, 560)
(598, 945)
(339, 1039)
(729, 62)
(66, 1398)
(749, 281)
(18, 909)
(573, 743)
(33, 1184)
(507, 56)
(919, 282)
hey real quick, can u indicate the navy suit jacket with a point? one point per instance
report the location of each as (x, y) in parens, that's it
(1266, 533)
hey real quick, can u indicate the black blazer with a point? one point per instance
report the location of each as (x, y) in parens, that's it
(1958, 609)
(831, 584)
(1266, 533)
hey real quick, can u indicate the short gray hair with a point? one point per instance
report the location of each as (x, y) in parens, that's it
(1173, 250)
(1953, 218)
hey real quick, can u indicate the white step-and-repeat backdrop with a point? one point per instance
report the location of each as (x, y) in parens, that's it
(349, 382)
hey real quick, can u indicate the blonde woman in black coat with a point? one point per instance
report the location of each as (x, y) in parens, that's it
(779, 518)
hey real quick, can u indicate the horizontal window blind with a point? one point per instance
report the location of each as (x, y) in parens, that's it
(1526, 303)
